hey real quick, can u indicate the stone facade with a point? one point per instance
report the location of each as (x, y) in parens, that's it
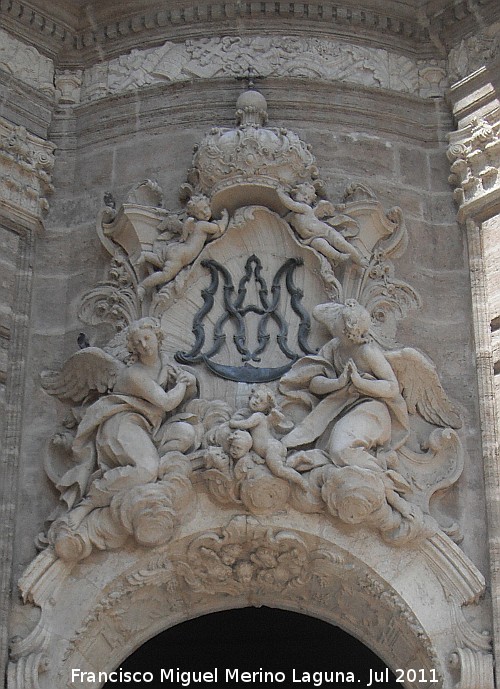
(249, 335)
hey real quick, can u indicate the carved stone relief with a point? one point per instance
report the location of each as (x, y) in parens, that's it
(347, 583)
(264, 56)
(26, 63)
(474, 52)
(26, 163)
(474, 154)
(257, 276)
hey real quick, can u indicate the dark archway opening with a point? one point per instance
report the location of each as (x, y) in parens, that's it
(253, 639)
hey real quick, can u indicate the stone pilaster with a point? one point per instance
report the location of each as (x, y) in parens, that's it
(474, 154)
(25, 166)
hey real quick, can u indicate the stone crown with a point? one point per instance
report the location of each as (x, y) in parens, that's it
(250, 157)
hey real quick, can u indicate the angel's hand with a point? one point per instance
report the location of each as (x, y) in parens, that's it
(343, 379)
(183, 378)
(350, 369)
(409, 511)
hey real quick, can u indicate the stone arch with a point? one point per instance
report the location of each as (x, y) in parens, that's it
(96, 613)
(251, 639)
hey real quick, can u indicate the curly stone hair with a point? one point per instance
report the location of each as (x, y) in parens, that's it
(357, 322)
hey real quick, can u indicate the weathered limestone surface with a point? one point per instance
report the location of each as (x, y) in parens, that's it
(132, 109)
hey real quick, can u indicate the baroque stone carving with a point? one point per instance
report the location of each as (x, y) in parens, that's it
(474, 154)
(223, 563)
(123, 481)
(26, 163)
(359, 429)
(266, 56)
(26, 63)
(474, 52)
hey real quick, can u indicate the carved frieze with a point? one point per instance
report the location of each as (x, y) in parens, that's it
(266, 56)
(474, 52)
(343, 431)
(26, 63)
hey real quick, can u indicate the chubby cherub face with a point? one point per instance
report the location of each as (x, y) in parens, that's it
(199, 207)
(240, 443)
(261, 399)
(305, 193)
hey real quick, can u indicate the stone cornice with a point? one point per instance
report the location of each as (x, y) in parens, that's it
(82, 38)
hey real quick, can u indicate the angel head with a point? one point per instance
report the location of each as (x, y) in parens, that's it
(239, 443)
(349, 319)
(199, 207)
(144, 337)
(262, 399)
(216, 458)
(357, 322)
(305, 193)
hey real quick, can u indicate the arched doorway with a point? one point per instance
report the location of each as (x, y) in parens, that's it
(282, 643)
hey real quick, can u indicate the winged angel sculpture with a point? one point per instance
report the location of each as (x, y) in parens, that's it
(344, 437)
(129, 475)
(359, 400)
(341, 439)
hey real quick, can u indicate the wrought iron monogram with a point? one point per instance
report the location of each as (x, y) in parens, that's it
(237, 309)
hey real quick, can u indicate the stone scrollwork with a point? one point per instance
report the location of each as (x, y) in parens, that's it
(358, 428)
(268, 56)
(223, 563)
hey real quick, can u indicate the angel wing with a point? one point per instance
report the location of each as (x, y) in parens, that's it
(88, 369)
(326, 211)
(421, 388)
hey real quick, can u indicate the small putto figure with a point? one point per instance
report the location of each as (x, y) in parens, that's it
(322, 236)
(265, 420)
(197, 229)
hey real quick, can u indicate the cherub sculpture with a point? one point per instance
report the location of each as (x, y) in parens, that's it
(115, 446)
(305, 218)
(266, 418)
(367, 393)
(197, 229)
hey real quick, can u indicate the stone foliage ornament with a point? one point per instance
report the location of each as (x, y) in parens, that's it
(474, 53)
(26, 63)
(26, 164)
(276, 56)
